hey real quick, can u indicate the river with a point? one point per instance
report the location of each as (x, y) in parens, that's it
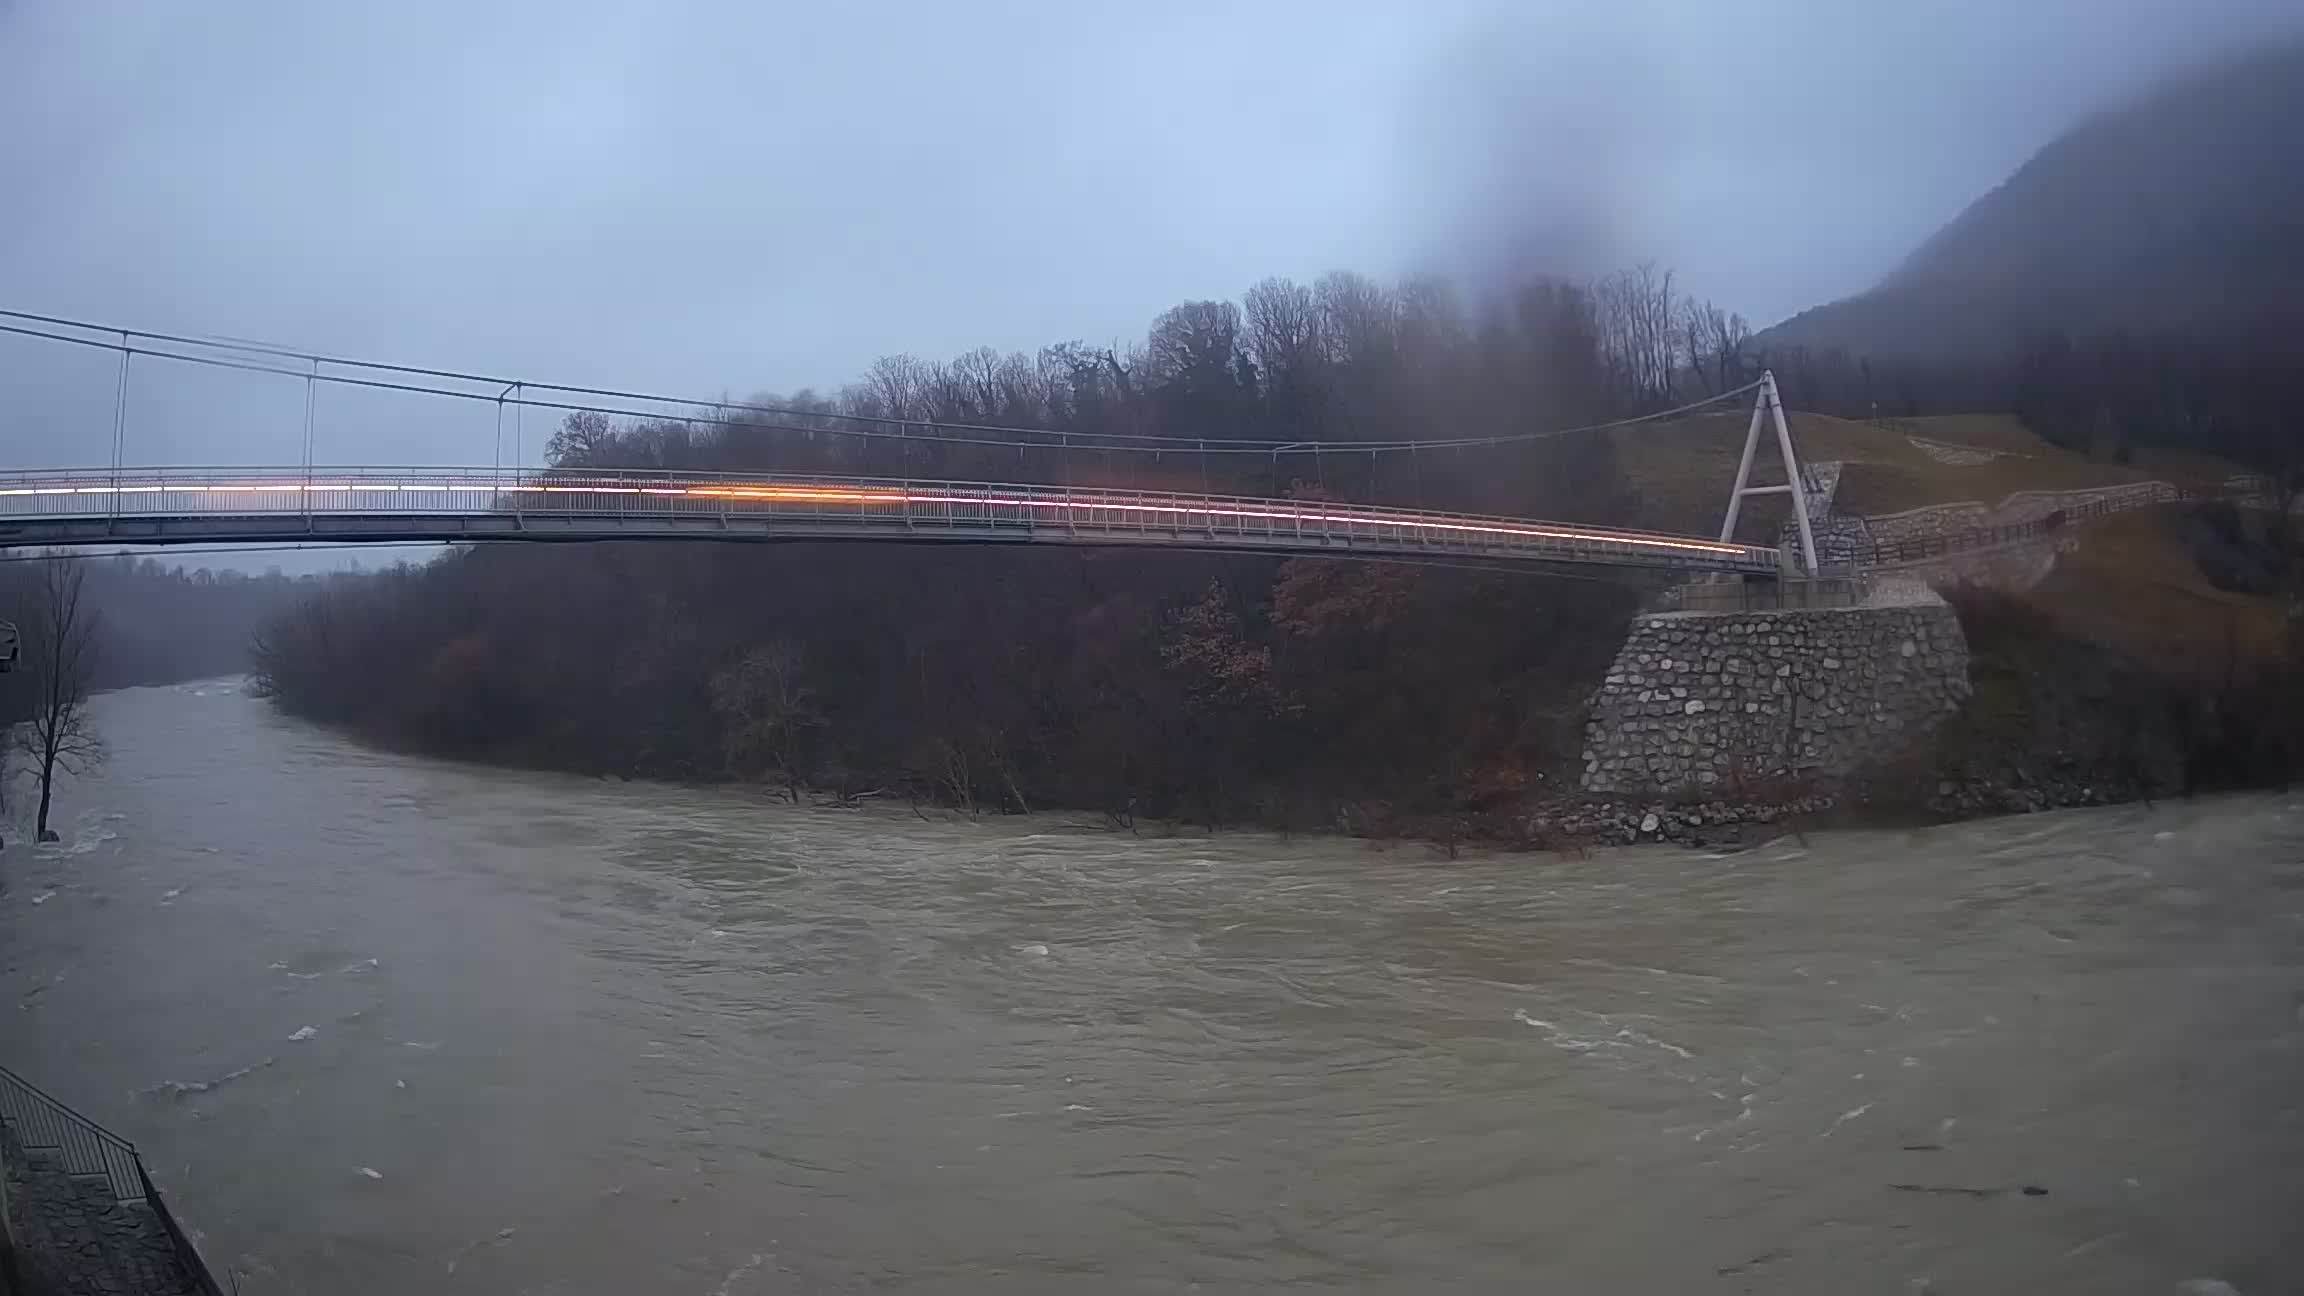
(568, 1035)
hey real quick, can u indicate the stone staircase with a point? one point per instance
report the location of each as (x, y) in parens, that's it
(73, 1237)
(78, 1214)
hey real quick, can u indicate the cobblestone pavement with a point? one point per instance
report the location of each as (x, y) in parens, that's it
(74, 1239)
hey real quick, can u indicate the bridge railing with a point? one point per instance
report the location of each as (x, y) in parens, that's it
(887, 505)
(81, 1147)
(1916, 550)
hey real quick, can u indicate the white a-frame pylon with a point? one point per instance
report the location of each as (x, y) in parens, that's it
(1770, 407)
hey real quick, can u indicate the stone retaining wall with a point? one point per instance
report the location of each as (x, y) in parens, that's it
(1820, 486)
(1958, 456)
(2024, 506)
(2018, 565)
(1700, 703)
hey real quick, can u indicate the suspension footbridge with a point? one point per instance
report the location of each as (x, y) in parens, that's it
(399, 505)
(122, 504)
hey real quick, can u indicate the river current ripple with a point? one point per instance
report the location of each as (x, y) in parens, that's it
(386, 1024)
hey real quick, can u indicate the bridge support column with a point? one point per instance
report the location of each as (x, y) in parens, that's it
(1707, 703)
(1768, 407)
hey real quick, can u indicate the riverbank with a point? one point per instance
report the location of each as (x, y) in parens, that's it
(1300, 697)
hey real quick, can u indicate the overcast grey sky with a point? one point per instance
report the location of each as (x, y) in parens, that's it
(736, 197)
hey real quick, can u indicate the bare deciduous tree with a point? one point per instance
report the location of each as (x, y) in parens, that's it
(1359, 319)
(1283, 330)
(1715, 342)
(901, 384)
(59, 664)
(1196, 343)
(1638, 333)
(766, 709)
(584, 440)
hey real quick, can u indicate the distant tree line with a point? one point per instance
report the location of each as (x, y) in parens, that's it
(167, 622)
(1343, 362)
(1205, 687)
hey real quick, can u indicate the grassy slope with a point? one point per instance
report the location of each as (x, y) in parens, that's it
(2004, 432)
(2130, 582)
(1682, 469)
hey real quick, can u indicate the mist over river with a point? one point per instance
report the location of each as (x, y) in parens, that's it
(580, 1036)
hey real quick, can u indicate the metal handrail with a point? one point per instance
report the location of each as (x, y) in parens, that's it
(98, 481)
(1891, 553)
(42, 1123)
(82, 1146)
(640, 494)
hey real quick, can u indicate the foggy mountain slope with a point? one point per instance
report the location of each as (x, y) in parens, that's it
(2181, 209)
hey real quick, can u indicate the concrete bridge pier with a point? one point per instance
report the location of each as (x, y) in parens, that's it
(1725, 691)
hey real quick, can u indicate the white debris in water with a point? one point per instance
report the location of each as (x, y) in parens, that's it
(303, 1033)
(170, 896)
(44, 897)
(420, 1044)
(1035, 950)
(1560, 1038)
(1743, 1114)
(399, 1084)
(2163, 836)
(1653, 1042)
(474, 1245)
(349, 969)
(277, 967)
(1844, 1118)
(728, 1284)
(371, 1172)
(182, 1088)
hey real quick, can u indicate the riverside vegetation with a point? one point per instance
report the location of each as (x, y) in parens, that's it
(1211, 689)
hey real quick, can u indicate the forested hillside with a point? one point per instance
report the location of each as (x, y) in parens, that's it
(2180, 212)
(2138, 285)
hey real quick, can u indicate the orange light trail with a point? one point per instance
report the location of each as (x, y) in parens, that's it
(1244, 510)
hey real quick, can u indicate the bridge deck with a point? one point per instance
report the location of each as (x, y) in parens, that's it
(184, 505)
